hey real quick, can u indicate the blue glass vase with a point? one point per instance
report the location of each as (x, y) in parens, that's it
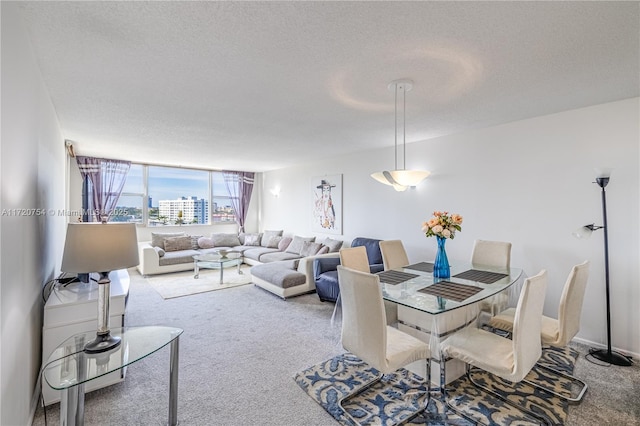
(441, 265)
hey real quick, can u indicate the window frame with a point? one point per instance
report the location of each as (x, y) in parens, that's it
(210, 194)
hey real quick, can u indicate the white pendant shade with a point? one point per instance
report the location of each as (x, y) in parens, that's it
(400, 179)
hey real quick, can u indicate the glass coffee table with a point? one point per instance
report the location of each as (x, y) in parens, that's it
(219, 260)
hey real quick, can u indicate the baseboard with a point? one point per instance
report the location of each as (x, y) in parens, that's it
(634, 355)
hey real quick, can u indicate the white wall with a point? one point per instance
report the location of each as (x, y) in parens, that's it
(528, 182)
(32, 175)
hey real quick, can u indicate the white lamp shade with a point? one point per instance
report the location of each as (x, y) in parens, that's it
(409, 177)
(100, 247)
(583, 232)
(403, 178)
(603, 172)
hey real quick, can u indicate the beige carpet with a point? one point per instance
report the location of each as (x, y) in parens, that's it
(180, 284)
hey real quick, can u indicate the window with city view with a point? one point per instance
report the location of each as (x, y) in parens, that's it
(174, 196)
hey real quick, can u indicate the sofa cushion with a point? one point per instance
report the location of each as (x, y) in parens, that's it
(160, 251)
(222, 240)
(157, 238)
(296, 244)
(279, 274)
(323, 250)
(277, 256)
(309, 248)
(205, 243)
(273, 242)
(256, 252)
(177, 257)
(334, 245)
(177, 243)
(284, 243)
(268, 235)
(251, 240)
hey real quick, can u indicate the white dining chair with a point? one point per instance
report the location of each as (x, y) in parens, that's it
(558, 332)
(366, 334)
(510, 359)
(492, 254)
(393, 254)
(355, 258)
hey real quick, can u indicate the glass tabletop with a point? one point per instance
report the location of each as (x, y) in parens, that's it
(218, 257)
(69, 365)
(414, 292)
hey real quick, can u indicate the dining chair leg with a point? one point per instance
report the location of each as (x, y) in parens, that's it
(573, 379)
(443, 392)
(335, 309)
(543, 420)
(353, 395)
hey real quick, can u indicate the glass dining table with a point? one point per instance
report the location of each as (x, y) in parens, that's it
(433, 308)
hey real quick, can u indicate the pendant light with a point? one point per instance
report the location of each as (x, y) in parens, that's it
(400, 179)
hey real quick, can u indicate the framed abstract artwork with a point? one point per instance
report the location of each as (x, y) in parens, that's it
(327, 204)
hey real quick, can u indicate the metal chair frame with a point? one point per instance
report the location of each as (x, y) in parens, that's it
(377, 379)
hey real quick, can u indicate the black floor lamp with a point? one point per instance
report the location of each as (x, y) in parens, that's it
(607, 355)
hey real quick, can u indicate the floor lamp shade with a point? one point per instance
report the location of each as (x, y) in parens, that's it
(101, 248)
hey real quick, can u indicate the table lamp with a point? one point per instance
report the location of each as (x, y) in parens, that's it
(102, 248)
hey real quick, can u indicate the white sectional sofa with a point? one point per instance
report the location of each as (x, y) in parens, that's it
(290, 258)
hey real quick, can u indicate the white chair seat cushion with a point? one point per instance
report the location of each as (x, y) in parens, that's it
(550, 331)
(403, 349)
(482, 349)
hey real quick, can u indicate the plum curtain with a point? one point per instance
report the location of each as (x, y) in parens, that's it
(239, 186)
(106, 179)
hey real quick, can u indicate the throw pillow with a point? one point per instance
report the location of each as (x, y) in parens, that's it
(334, 245)
(159, 251)
(284, 243)
(157, 238)
(309, 248)
(205, 243)
(225, 240)
(296, 244)
(251, 240)
(273, 242)
(177, 243)
(323, 250)
(268, 235)
(194, 241)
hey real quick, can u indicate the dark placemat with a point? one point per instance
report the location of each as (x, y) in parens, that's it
(395, 277)
(484, 277)
(422, 266)
(452, 291)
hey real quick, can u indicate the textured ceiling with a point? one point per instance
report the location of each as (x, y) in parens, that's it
(266, 85)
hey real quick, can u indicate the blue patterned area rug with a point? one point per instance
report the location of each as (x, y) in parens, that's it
(401, 394)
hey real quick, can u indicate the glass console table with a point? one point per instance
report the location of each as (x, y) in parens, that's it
(68, 368)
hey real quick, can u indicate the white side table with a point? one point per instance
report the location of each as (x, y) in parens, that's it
(73, 309)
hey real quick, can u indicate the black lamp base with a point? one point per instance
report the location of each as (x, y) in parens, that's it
(102, 343)
(613, 358)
